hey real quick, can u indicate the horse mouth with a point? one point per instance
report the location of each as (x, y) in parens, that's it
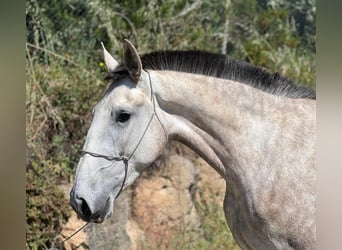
(98, 220)
(103, 214)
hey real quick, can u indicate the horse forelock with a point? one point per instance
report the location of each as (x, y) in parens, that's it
(119, 73)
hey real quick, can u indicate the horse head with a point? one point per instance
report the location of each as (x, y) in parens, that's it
(126, 135)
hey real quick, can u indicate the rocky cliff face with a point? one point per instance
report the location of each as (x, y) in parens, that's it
(158, 209)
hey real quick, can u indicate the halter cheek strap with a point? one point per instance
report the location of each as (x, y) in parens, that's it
(125, 159)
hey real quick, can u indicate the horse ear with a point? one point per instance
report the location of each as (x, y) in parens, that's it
(110, 62)
(132, 60)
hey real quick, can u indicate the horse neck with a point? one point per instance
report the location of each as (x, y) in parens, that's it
(219, 119)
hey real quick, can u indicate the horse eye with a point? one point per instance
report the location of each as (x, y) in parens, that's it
(123, 117)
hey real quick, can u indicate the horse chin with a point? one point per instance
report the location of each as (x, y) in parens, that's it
(106, 212)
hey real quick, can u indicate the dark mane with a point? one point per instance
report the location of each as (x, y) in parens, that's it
(226, 67)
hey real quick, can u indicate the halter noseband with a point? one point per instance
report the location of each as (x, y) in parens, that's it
(125, 159)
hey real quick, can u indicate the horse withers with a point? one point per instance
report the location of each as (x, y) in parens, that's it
(255, 128)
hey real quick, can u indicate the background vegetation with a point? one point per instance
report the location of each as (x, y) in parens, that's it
(64, 78)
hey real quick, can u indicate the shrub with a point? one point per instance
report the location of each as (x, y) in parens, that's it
(46, 206)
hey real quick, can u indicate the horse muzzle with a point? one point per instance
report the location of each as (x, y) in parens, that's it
(85, 211)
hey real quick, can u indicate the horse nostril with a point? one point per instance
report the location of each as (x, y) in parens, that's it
(85, 210)
(80, 205)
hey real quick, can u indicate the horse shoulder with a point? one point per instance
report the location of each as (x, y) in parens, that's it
(278, 204)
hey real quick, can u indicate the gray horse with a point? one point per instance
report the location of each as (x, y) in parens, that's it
(256, 129)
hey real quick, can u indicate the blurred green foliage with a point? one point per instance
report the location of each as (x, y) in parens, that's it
(45, 205)
(58, 102)
(246, 29)
(64, 78)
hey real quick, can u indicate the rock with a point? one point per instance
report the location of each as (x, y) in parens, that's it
(112, 234)
(78, 241)
(162, 204)
(210, 183)
(136, 235)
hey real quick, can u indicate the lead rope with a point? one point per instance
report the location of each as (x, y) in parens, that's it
(74, 233)
(124, 159)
